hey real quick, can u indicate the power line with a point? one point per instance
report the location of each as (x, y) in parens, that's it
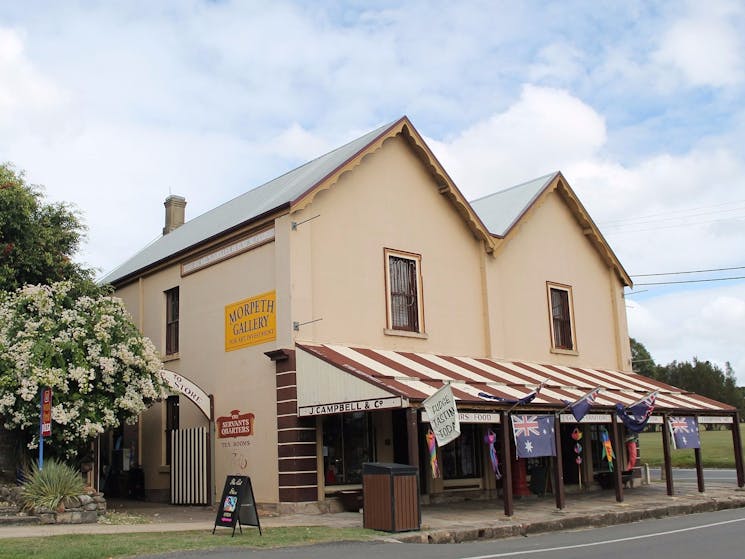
(691, 281)
(688, 272)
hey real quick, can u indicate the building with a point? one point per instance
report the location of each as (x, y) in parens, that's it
(307, 319)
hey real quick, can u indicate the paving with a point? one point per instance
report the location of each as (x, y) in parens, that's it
(442, 523)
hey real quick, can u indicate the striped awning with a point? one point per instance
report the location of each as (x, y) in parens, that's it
(415, 376)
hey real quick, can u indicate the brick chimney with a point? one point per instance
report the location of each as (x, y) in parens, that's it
(175, 206)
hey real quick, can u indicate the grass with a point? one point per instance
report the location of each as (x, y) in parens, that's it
(86, 546)
(717, 450)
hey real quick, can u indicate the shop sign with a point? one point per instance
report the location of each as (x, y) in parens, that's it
(715, 419)
(251, 321)
(372, 404)
(588, 418)
(443, 415)
(471, 417)
(235, 425)
(188, 389)
(46, 412)
(229, 251)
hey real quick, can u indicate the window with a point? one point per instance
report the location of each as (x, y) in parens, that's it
(404, 288)
(347, 444)
(172, 321)
(562, 327)
(172, 421)
(461, 458)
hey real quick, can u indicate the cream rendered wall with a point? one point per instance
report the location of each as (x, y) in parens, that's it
(388, 201)
(242, 379)
(550, 246)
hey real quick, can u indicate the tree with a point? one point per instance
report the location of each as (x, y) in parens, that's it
(102, 370)
(641, 359)
(37, 240)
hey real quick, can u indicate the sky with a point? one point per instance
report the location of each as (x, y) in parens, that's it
(112, 106)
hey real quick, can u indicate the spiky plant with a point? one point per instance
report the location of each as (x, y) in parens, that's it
(46, 488)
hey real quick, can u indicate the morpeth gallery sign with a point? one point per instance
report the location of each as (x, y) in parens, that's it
(251, 321)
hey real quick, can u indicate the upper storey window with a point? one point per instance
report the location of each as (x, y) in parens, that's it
(562, 317)
(172, 314)
(404, 291)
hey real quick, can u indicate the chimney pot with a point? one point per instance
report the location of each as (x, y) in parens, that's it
(175, 212)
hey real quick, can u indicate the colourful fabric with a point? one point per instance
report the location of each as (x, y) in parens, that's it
(607, 448)
(490, 438)
(632, 452)
(432, 447)
(685, 432)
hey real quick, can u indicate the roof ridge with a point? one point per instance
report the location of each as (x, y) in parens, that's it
(513, 187)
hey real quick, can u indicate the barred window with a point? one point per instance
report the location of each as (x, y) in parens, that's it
(404, 312)
(172, 313)
(560, 299)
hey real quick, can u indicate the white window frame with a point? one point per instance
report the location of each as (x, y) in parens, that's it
(389, 329)
(550, 286)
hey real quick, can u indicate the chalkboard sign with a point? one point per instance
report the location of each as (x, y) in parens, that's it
(237, 505)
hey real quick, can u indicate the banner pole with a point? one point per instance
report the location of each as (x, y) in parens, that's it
(41, 429)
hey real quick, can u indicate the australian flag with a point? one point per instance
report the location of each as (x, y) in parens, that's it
(685, 432)
(515, 401)
(583, 405)
(534, 435)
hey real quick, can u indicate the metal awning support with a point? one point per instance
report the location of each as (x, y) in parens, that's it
(666, 454)
(737, 443)
(509, 508)
(559, 469)
(616, 443)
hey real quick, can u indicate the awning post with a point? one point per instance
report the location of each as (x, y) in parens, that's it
(509, 508)
(737, 443)
(668, 466)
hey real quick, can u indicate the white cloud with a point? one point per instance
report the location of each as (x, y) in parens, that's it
(545, 130)
(706, 46)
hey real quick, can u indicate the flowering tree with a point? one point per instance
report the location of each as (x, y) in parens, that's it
(86, 348)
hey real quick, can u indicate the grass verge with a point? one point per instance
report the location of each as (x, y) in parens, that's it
(717, 450)
(88, 546)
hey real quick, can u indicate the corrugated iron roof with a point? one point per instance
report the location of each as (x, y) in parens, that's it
(262, 199)
(416, 376)
(500, 211)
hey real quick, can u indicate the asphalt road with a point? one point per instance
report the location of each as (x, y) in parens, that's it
(686, 475)
(712, 535)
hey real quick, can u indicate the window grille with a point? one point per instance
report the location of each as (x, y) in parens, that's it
(404, 296)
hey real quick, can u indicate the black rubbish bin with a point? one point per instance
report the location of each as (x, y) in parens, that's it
(390, 495)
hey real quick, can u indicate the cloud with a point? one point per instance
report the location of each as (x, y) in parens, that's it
(705, 46)
(545, 130)
(30, 103)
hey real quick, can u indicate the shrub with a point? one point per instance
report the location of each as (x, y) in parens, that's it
(50, 485)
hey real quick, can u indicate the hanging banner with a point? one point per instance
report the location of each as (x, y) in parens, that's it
(46, 412)
(443, 415)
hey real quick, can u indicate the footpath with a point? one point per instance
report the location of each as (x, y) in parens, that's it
(446, 523)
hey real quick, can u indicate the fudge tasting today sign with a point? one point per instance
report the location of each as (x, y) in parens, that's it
(251, 321)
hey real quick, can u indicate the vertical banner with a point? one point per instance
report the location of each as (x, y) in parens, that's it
(443, 415)
(45, 421)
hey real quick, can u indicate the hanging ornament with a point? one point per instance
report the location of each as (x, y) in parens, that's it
(578, 460)
(607, 449)
(577, 434)
(490, 438)
(432, 447)
(577, 448)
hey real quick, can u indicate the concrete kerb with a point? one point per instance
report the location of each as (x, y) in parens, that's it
(569, 522)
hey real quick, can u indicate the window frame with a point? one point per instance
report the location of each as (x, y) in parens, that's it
(172, 329)
(555, 346)
(398, 330)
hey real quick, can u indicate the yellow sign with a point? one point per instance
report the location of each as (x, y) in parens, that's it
(251, 321)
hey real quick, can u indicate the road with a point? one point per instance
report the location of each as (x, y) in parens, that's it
(688, 475)
(712, 535)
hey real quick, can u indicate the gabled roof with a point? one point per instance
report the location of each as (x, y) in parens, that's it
(504, 210)
(501, 210)
(294, 190)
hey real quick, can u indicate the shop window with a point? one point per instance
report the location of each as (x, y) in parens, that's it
(172, 317)
(172, 422)
(347, 444)
(404, 292)
(462, 457)
(562, 323)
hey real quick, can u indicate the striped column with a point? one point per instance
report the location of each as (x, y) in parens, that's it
(296, 437)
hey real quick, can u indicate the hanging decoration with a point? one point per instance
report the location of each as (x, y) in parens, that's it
(631, 452)
(577, 435)
(432, 447)
(607, 449)
(490, 438)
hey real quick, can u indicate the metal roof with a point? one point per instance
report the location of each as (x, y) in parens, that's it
(260, 200)
(415, 376)
(500, 211)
